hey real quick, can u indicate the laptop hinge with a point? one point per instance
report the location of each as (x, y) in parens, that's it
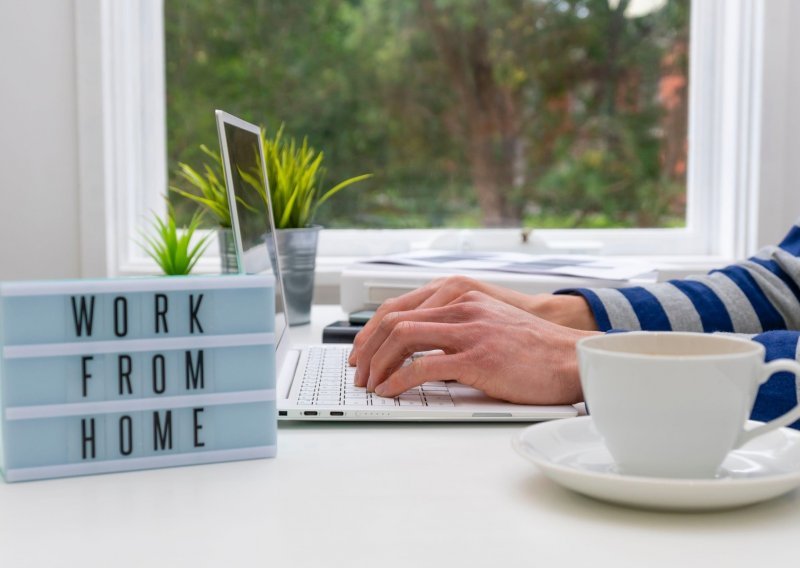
(287, 372)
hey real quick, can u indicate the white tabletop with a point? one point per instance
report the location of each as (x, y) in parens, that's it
(371, 495)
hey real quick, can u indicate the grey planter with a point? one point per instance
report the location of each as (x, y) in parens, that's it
(298, 260)
(227, 251)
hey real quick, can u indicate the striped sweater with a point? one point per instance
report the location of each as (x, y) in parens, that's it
(759, 297)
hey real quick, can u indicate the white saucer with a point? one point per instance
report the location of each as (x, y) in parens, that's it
(572, 453)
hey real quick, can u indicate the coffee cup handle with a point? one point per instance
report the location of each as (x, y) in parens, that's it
(776, 366)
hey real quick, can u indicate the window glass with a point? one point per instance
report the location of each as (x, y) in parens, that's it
(469, 113)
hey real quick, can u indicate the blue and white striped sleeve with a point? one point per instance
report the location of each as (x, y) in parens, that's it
(759, 297)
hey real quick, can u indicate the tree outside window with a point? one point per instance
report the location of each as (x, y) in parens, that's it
(470, 113)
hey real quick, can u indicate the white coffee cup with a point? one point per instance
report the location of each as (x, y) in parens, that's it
(675, 404)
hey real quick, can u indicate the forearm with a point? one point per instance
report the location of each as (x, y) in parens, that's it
(756, 295)
(567, 310)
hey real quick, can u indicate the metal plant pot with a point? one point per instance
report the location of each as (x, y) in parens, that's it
(227, 251)
(298, 260)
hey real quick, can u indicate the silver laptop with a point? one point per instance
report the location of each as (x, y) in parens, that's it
(314, 381)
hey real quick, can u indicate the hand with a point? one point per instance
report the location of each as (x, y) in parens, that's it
(498, 348)
(570, 311)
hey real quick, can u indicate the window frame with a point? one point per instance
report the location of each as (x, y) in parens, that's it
(122, 146)
(121, 131)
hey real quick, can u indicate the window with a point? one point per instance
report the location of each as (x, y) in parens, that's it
(725, 130)
(509, 113)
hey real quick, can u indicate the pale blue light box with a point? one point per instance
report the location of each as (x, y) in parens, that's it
(112, 375)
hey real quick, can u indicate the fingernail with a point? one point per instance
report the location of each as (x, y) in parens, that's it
(355, 377)
(380, 389)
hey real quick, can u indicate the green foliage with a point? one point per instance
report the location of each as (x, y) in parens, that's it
(213, 196)
(613, 173)
(295, 175)
(580, 85)
(171, 247)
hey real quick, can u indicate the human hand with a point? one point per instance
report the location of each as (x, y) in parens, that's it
(570, 311)
(488, 344)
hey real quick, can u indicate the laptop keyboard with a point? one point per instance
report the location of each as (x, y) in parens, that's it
(328, 381)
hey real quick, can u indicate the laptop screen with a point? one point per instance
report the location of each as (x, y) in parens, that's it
(251, 212)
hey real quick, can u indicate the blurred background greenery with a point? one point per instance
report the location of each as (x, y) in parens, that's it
(536, 113)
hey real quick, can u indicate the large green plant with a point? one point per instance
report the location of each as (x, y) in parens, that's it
(296, 176)
(211, 186)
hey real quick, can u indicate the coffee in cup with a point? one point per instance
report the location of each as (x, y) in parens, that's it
(675, 404)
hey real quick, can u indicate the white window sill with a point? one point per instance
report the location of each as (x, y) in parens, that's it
(329, 269)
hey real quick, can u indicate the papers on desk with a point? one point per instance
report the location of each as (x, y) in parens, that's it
(594, 267)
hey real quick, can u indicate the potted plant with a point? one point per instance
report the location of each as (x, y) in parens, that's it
(212, 197)
(295, 175)
(172, 248)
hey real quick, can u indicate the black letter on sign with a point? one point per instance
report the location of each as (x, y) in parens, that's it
(162, 437)
(125, 435)
(159, 374)
(86, 317)
(161, 312)
(193, 313)
(120, 330)
(88, 439)
(194, 375)
(124, 365)
(86, 374)
(197, 427)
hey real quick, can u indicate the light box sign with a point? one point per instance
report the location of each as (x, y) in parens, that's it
(112, 375)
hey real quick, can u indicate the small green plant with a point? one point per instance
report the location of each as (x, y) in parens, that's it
(171, 247)
(212, 197)
(295, 175)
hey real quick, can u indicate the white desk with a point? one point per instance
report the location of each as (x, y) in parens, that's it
(371, 495)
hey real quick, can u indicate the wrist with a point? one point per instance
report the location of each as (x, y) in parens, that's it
(566, 371)
(567, 310)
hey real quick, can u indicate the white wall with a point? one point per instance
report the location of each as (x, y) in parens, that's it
(779, 171)
(39, 197)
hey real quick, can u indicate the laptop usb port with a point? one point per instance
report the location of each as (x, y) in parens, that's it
(337, 413)
(310, 413)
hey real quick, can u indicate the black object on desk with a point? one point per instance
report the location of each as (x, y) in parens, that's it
(345, 331)
(360, 317)
(340, 332)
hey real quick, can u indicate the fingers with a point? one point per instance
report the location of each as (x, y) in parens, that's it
(401, 303)
(409, 337)
(383, 329)
(453, 289)
(436, 293)
(475, 296)
(422, 370)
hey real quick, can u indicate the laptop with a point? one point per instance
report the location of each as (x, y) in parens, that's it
(315, 382)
